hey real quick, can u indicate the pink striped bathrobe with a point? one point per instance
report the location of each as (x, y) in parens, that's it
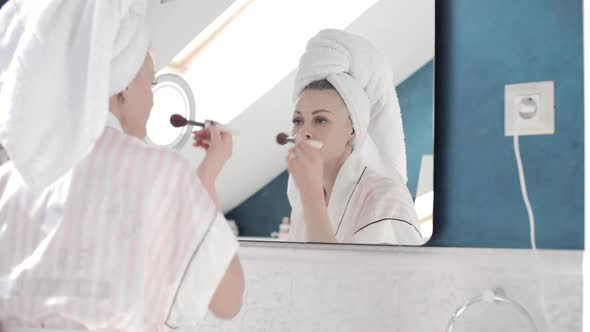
(129, 240)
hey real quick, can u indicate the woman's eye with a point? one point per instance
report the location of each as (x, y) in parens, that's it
(297, 122)
(321, 121)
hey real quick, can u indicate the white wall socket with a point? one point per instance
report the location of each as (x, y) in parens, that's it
(529, 109)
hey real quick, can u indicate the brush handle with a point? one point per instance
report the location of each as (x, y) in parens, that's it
(314, 143)
(221, 127)
(196, 123)
(218, 125)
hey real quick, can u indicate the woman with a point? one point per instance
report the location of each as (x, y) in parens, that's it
(353, 189)
(97, 229)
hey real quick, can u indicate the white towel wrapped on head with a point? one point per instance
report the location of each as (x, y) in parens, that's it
(364, 81)
(60, 61)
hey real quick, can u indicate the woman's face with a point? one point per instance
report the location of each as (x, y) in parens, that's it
(138, 101)
(321, 115)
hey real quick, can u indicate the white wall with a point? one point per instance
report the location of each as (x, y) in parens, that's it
(173, 25)
(401, 289)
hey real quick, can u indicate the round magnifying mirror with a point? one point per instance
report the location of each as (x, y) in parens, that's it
(172, 94)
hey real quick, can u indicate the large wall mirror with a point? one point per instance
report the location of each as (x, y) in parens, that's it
(237, 62)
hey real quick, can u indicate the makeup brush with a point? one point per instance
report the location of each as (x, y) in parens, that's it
(283, 139)
(177, 120)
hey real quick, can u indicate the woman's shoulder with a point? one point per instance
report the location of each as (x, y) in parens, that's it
(378, 189)
(375, 181)
(386, 197)
(139, 148)
(138, 154)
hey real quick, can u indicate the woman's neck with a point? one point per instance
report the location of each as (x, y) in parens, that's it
(331, 170)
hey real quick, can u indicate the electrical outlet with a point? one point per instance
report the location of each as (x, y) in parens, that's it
(529, 109)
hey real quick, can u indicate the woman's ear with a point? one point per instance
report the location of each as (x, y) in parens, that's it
(352, 137)
(122, 96)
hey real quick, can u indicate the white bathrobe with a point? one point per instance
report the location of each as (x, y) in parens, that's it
(129, 240)
(366, 208)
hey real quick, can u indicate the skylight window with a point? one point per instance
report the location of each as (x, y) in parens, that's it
(252, 46)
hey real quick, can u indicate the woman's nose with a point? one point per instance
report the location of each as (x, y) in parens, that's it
(304, 133)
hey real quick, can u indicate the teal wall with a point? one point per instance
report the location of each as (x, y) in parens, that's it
(481, 46)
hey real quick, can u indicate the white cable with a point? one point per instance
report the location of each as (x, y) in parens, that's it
(525, 197)
(523, 189)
